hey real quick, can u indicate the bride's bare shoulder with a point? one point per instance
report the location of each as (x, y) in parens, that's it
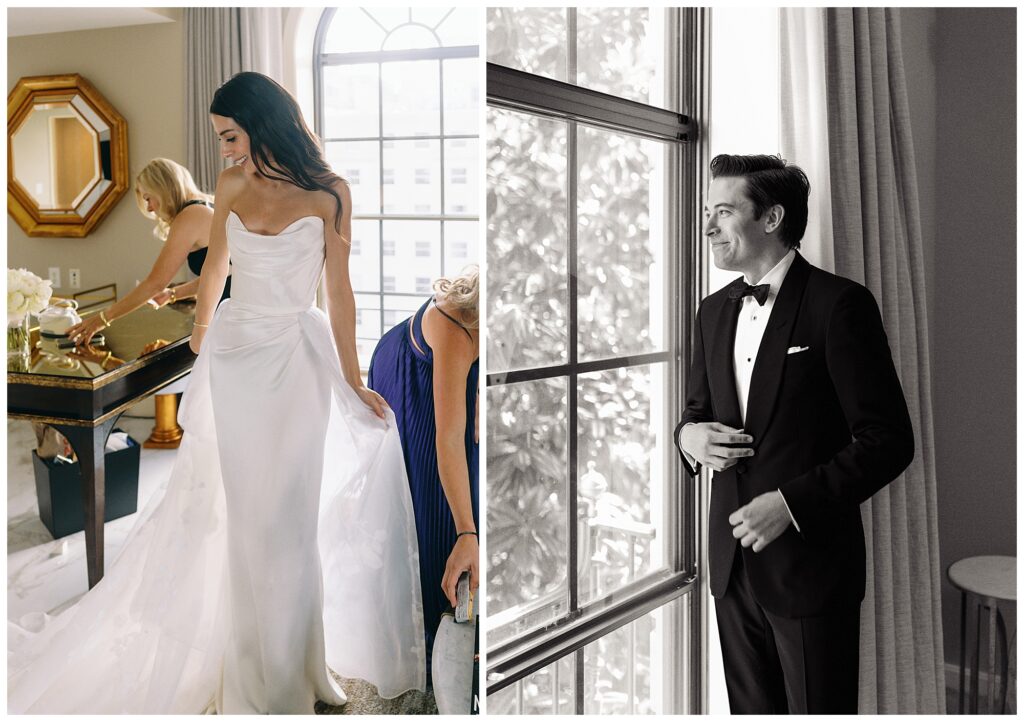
(327, 203)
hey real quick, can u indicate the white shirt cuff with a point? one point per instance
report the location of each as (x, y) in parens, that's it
(689, 459)
(791, 517)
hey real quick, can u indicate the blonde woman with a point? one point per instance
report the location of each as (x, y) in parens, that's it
(426, 368)
(166, 193)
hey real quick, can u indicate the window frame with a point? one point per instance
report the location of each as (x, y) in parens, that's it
(512, 89)
(322, 60)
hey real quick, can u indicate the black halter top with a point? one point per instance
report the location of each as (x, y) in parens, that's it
(197, 258)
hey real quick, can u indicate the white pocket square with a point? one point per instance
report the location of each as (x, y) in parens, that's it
(796, 349)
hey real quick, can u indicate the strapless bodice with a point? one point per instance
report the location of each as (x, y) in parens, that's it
(277, 273)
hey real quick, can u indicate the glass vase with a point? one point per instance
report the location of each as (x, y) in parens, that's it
(18, 346)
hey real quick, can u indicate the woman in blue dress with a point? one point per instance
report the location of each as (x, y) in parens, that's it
(426, 368)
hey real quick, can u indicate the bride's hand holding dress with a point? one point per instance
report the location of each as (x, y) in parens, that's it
(341, 301)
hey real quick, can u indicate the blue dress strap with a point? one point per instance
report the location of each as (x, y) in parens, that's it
(451, 318)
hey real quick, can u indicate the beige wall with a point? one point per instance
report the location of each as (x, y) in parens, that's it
(960, 65)
(140, 70)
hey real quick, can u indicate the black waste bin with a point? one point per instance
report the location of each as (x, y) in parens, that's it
(59, 489)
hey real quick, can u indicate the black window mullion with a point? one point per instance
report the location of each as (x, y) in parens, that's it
(507, 665)
(572, 505)
(520, 90)
(581, 703)
(504, 378)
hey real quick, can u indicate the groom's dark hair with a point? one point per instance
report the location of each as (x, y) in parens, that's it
(770, 181)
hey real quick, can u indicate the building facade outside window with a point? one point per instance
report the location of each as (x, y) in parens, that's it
(396, 98)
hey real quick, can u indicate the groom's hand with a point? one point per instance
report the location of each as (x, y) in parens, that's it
(707, 443)
(760, 522)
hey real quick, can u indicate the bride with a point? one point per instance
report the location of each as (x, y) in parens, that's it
(285, 543)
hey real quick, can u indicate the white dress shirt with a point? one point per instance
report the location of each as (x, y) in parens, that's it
(750, 328)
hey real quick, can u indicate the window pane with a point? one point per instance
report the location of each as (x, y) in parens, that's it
(461, 96)
(398, 309)
(364, 256)
(412, 97)
(367, 315)
(462, 176)
(551, 690)
(413, 168)
(621, 213)
(390, 17)
(633, 669)
(623, 447)
(358, 162)
(351, 101)
(430, 17)
(526, 509)
(461, 246)
(367, 326)
(352, 30)
(404, 267)
(530, 39)
(526, 238)
(367, 108)
(460, 27)
(621, 52)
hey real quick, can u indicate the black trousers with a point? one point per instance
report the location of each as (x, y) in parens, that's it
(776, 665)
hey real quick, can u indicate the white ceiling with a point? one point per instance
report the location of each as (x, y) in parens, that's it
(36, 21)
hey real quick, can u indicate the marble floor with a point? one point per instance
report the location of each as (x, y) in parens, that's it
(48, 575)
(44, 574)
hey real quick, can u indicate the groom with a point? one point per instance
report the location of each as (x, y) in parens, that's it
(793, 400)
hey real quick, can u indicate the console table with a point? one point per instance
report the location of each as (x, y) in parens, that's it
(82, 392)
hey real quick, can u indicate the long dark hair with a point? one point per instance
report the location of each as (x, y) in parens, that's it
(271, 117)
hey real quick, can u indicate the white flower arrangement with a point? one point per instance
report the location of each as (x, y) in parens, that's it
(26, 293)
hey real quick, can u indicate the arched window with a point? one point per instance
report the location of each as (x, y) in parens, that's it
(397, 98)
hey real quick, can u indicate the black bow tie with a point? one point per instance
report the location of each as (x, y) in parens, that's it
(760, 293)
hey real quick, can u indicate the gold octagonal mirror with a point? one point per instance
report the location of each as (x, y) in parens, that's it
(67, 155)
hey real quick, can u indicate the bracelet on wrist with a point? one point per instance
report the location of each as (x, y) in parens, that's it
(174, 296)
(201, 325)
(466, 533)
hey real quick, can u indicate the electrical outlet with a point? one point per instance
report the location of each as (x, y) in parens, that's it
(74, 278)
(55, 276)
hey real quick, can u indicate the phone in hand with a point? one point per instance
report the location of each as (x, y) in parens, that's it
(463, 600)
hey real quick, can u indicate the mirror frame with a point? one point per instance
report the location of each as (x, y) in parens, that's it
(20, 203)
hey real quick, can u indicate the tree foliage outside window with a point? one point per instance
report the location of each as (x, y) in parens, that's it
(616, 184)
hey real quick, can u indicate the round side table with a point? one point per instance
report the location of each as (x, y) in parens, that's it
(984, 582)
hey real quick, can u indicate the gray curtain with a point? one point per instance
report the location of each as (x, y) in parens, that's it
(877, 235)
(220, 42)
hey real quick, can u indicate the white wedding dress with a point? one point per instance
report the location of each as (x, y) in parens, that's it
(284, 543)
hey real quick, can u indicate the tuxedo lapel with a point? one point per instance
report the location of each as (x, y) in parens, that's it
(771, 355)
(721, 377)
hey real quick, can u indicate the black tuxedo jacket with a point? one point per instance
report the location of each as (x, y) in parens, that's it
(830, 428)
